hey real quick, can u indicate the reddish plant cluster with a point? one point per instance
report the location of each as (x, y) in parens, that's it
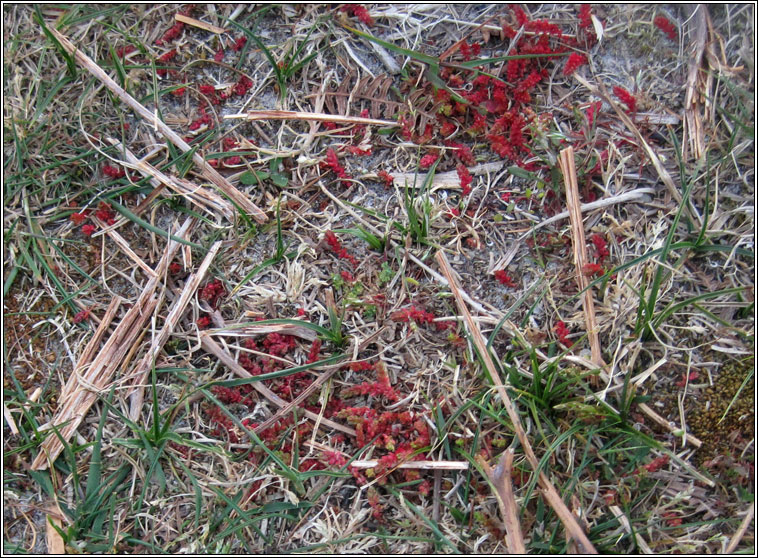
(655, 465)
(496, 108)
(593, 270)
(313, 353)
(358, 11)
(239, 44)
(278, 345)
(601, 247)
(420, 316)
(123, 51)
(465, 177)
(81, 316)
(212, 292)
(216, 97)
(586, 27)
(686, 378)
(336, 246)
(469, 50)
(574, 61)
(562, 331)
(333, 163)
(386, 177)
(177, 28)
(272, 345)
(163, 59)
(79, 218)
(663, 23)
(335, 458)
(223, 424)
(377, 509)
(400, 433)
(625, 97)
(502, 276)
(585, 16)
(672, 519)
(428, 160)
(105, 213)
(380, 388)
(113, 172)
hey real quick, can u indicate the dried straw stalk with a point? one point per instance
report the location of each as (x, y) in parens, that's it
(9, 419)
(548, 490)
(308, 116)
(207, 171)
(566, 162)
(139, 375)
(500, 478)
(199, 24)
(658, 419)
(85, 384)
(737, 537)
(246, 330)
(54, 540)
(446, 180)
(427, 465)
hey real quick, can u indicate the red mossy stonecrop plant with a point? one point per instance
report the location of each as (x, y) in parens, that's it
(625, 97)
(574, 61)
(601, 247)
(336, 246)
(333, 163)
(496, 109)
(465, 177)
(505, 279)
(663, 23)
(380, 388)
(212, 292)
(177, 28)
(420, 316)
(358, 11)
(562, 331)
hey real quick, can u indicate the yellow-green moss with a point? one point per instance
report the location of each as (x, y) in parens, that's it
(723, 436)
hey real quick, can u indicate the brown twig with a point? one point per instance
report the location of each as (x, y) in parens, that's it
(428, 465)
(199, 24)
(658, 419)
(566, 162)
(209, 172)
(500, 477)
(9, 419)
(737, 537)
(548, 490)
(55, 543)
